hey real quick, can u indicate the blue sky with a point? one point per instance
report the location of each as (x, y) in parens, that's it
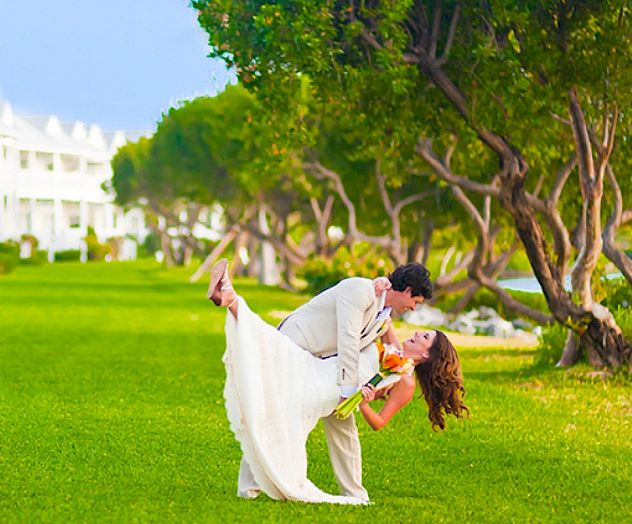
(116, 63)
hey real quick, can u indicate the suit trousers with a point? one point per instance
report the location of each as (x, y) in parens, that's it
(343, 443)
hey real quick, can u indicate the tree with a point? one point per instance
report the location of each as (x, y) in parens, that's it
(497, 76)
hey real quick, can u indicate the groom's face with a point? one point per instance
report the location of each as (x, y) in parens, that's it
(402, 301)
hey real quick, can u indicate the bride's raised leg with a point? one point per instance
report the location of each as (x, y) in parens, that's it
(220, 289)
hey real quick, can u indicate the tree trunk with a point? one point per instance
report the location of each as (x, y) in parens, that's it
(571, 352)
(269, 274)
(599, 335)
(610, 249)
(240, 242)
(253, 260)
(216, 253)
(426, 242)
(466, 298)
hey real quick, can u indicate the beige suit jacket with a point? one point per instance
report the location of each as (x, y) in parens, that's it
(342, 320)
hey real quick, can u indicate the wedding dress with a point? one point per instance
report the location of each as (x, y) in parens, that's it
(275, 393)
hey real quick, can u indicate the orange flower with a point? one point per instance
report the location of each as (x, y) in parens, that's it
(392, 361)
(380, 349)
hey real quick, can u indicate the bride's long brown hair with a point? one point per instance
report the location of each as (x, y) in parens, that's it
(441, 382)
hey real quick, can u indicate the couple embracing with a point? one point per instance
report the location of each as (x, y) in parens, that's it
(280, 382)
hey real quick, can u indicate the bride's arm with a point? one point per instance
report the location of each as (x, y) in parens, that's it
(400, 396)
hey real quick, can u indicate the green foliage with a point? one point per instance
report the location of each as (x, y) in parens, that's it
(96, 250)
(31, 239)
(361, 261)
(68, 255)
(37, 258)
(474, 74)
(201, 152)
(617, 292)
(623, 315)
(9, 256)
(150, 245)
(551, 344)
(617, 298)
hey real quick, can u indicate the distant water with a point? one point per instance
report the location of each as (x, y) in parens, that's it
(531, 284)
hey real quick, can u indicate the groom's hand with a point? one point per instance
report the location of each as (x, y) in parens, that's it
(381, 284)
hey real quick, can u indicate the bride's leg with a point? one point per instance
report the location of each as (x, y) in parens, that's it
(234, 307)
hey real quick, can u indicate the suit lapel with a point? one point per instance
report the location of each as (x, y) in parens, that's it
(370, 331)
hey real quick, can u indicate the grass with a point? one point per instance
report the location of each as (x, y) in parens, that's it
(111, 411)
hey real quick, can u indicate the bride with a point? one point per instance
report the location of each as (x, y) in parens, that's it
(276, 392)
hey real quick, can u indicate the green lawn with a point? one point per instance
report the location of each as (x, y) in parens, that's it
(111, 410)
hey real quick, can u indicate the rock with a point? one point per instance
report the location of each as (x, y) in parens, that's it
(426, 316)
(525, 325)
(483, 321)
(485, 312)
(498, 327)
(463, 324)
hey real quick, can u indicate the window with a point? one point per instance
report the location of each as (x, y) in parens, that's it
(95, 168)
(44, 161)
(72, 213)
(24, 159)
(69, 163)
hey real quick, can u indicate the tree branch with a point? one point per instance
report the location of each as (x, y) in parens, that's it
(412, 198)
(424, 148)
(321, 171)
(436, 27)
(622, 261)
(448, 46)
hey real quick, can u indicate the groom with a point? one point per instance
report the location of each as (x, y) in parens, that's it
(344, 320)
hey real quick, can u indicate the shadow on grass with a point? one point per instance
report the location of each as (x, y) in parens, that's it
(515, 375)
(490, 353)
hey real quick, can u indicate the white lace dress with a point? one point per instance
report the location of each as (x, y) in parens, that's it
(275, 393)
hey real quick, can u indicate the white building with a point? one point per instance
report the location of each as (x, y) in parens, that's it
(51, 176)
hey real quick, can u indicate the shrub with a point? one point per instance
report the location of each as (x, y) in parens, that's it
(7, 263)
(68, 255)
(96, 250)
(9, 256)
(618, 292)
(37, 258)
(623, 316)
(551, 344)
(116, 245)
(618, 298)
(150, 245)
(361, 261)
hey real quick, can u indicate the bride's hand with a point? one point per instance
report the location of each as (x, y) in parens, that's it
(368, 393)
(381, 284)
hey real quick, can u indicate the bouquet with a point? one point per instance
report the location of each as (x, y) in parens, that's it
(392, 362)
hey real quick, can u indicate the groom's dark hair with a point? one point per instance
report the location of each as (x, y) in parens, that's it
(412, 275)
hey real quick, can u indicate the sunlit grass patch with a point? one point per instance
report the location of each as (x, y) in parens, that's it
(111, 409)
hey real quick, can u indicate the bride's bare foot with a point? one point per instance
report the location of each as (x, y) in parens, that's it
(220, 288)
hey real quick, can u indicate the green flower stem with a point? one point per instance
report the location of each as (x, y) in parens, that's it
(346, 407)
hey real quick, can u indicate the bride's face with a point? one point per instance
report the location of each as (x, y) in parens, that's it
(417, 347)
